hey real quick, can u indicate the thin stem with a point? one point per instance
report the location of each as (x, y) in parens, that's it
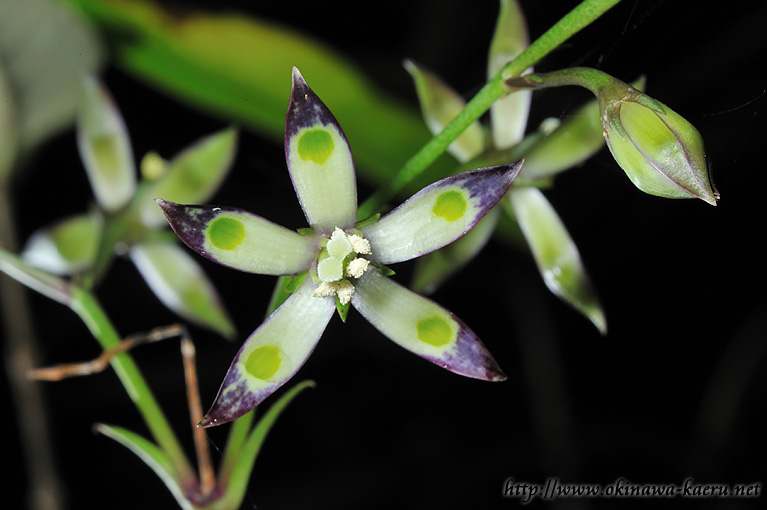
(204, 462)
(580, 17)
(87, 307)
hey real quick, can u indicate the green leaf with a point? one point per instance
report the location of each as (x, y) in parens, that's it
(237, 478)
(153, 456)
(237, 66)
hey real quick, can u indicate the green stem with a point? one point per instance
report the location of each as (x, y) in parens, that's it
(86, 306)
(593, 80)
(580, 17)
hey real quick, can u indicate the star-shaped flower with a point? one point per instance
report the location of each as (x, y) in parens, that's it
(345, 261)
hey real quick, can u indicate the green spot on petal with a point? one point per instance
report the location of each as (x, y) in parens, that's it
(315, 144)
(434, 331)
(263, 362)
(226, 233)
(450, 205)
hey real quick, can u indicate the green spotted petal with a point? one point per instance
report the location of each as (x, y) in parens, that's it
(193, 176)
(241, 240)
(555, 253)
(319, 161)
(438, 214)
(272, 354)
(508, 115)
(423, 327)
(439, 105)
(181, 285)
(434, 268)
(67, 247)
(105, 147)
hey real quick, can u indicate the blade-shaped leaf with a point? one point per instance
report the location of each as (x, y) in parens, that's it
(439, 105)
(152, 456)
(423, 327)
(193, 176)
(67, 247)
(272, 354)
(508, 115)
(179, 282)
(241, 240)
(236, 476)
(438, 214)
(319, 161)
(555, 253)
(105, 147)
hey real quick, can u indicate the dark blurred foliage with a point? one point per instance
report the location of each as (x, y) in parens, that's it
(673, 391)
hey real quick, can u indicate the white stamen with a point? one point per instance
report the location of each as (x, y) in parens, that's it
(360, 245)
(357, 267)
(342, 288)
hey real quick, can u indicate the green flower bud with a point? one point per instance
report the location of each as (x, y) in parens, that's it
(659, 150)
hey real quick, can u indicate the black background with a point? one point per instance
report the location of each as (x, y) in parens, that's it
(675, 389)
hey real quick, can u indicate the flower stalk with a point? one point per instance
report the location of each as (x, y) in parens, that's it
(580, 17)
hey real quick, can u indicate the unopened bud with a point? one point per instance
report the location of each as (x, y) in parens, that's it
(659, 150)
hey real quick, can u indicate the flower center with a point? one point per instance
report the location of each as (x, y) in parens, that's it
(339, 260)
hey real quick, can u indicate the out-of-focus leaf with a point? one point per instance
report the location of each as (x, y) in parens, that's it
(152, 455)
(235, 472)
(439, 105)
(105, 147)
(45, 49)
(238, 67)
(179, 282)
(67, 247)
(555, 253)
(508, 115)
(192, 177)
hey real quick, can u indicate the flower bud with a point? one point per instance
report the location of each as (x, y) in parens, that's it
(659, 150)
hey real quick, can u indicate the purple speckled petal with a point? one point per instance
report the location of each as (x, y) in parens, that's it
(423, 327)
(272, 354)
(438, 214)
(319, 161)
(241, 240)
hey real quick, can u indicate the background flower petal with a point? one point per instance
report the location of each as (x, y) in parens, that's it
(179, 282)
(555, 253)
